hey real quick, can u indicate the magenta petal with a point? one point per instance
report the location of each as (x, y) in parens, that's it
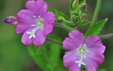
(48, 28)
(91, 65)
(49, 18)
(40, 38)
(21, 27)
(77, 37)
(26, 16)
(31, 5)
(25, 38)
(42, 7)
(70, 58)
(38, 7)
(92, 40)
(69, 44)
(95, 48)
(74, 67)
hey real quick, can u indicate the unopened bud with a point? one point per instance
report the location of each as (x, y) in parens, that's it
(10, 20)
(73, 18)
(75, 3)
(83, 17)
(83, 7)
(61, 19)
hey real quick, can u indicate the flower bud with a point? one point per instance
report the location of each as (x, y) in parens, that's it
(83, 17)
(73, 18)
(10, 20)
(75, 3)
(83, 7)
(61, 19)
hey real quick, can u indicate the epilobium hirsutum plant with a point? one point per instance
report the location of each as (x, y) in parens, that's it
(87, 52)
(36, 23)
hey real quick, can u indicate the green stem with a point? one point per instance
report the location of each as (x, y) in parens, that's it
(62, 26)
(67, 22)
(96, 11)
(106, 36)
(55, 41)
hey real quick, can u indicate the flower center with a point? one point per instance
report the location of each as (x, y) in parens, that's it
(82, 51)
(38, 25)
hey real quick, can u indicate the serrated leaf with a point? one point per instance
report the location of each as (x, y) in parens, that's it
(85, 22)
(96, 28)
(70, 7)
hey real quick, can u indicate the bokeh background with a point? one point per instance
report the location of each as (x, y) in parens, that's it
(14, 55)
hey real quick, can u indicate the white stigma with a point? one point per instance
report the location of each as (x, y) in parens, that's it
(38, 25)
(80, 63)
(82, 51)
(32, 34)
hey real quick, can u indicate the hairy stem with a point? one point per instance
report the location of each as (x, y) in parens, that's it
(67, 22)
(96, 11)
(62, 26)
(106, 36)
(55, 41)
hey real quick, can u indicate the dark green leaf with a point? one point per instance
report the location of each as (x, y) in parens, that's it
(96, 28)
(70, 7)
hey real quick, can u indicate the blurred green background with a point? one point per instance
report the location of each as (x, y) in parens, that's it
(14, 55)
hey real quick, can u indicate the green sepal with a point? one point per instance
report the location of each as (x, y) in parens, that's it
(78, 7)
(85, 22)
(70, 7)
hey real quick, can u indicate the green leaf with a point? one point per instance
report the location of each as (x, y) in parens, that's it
(47, 56)
(83, 68)
(102, 70)
(85, 22)
(96, 28)
(38, 56)
(70, 7)
(78, 7)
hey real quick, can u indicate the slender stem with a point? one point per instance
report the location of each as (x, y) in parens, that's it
(55, 41)
(106, 36)
(96, 11)
(63, 26)
(67, 22)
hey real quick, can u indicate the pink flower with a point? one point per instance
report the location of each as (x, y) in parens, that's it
(35, 22)
(87, 52)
